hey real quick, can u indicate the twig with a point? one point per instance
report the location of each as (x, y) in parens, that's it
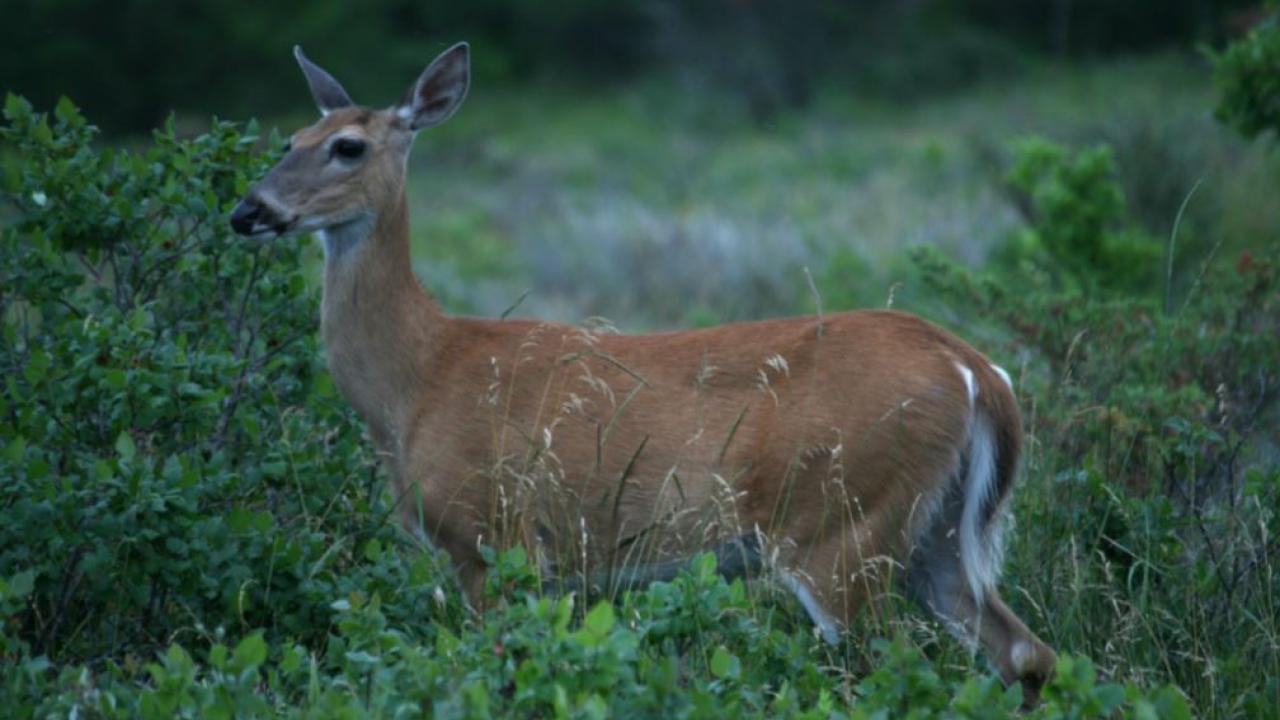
(512, 307)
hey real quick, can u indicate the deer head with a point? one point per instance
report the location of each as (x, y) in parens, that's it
(344, 169)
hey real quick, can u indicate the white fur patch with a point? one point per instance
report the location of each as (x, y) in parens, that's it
(1020, 657)
(828, 627)
(268, 199)
(1003, 375)
(338, 240)
(967, 374)
(979, 546)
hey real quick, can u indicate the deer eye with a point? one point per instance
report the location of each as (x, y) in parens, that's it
(348, 148)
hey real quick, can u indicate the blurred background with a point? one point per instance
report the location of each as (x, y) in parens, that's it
(666, 163)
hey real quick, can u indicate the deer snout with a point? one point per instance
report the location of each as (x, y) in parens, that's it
(252, 216)
(245, 215)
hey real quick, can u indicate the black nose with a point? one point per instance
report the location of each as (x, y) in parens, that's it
(246, 215)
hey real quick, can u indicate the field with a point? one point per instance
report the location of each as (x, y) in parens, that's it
(195, 524)
(654, 206)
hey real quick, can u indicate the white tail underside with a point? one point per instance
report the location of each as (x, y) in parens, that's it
(981, 544)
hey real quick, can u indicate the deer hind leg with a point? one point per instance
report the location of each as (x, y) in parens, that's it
(828, 627)
(837, 577)
(937, 578)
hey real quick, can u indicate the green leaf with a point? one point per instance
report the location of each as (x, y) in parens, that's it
(19, 586)
(1143, 710)
(362, 658)
(250, 652)
(292, 660)
(37, 366)
(125, 446)
(599, 621)
(15, 106)
(116, 378)
(724, 664)
(704, 566)
(564, 612)
(1171, 704)
(66, 111)
(41, 133)
(16, 448)
(1110, 696)
(446, 642)
(218, 657)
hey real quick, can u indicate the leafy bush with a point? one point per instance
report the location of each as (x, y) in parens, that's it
(1151, 482)
(531, 658)
(1248, 74)
(1079, 235)
(175, 458)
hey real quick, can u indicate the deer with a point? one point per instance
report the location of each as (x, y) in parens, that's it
(857, 452)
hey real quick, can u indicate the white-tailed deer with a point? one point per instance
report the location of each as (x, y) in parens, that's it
(865, 447)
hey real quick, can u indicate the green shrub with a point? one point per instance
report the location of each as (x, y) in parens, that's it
(175, 458)
(1151, 483)
(1079, 235)
(534, 657)
(1248, 76)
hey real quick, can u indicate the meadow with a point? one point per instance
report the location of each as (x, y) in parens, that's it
(195, 525)
(658, 205)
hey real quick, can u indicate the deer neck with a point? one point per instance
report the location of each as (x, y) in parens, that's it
(377, 321)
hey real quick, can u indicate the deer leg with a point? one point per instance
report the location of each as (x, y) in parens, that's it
(936, 579)
(828, 626)
(837, 578)
(1014, 649)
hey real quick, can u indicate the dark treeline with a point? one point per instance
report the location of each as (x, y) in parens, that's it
(130, 62)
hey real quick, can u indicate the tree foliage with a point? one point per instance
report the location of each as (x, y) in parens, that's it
(1248, 75)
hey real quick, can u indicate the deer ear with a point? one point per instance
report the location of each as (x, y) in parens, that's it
(439, 90)
(326, 91)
